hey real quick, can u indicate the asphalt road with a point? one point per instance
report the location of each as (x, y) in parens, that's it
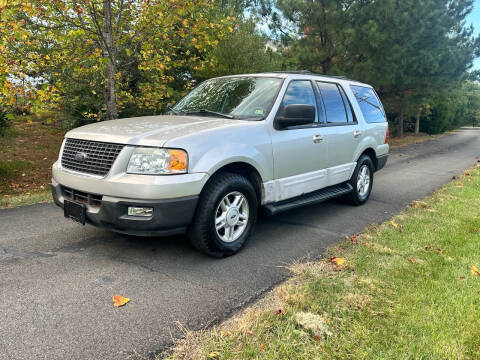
(57, 278)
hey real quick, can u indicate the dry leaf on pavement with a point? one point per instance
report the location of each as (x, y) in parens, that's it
(119, 300)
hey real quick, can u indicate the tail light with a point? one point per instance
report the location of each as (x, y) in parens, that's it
(386, 136)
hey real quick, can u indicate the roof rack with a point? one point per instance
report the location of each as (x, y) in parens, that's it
(308, 72)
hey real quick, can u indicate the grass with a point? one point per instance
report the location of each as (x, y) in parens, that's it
(9, 201)
(411, 139)
(405, 291)
(28, 150)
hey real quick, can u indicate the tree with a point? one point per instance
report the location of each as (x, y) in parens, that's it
(80, 48)
(252, 50)
(407, 49)
(417, 48)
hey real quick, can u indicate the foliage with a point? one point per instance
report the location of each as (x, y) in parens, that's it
(4, 123)
(453, 108)
(94, 58)
(409, 50)
(252, 53)
(100, 59)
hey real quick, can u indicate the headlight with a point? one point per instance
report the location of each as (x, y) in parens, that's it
(157, 161)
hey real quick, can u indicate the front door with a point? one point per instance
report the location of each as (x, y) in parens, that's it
(299, 152)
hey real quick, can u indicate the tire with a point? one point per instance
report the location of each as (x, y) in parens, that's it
(217, 201)
(361, 192)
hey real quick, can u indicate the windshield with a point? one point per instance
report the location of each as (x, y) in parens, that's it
(237, 97)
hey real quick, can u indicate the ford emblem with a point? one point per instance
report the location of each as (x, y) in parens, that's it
(80, 157)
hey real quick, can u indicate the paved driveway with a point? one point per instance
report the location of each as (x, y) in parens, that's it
(57, 278)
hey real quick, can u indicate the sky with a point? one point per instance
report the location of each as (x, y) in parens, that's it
(474, 18)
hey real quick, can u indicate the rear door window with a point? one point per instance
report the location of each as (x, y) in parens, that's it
(370, 105)
(334, 104)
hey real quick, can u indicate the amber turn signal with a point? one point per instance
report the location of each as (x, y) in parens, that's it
(178, 161)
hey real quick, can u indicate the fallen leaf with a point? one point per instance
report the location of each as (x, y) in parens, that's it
(474, 230)
(462, 277)
(318, 338)
(427, 247)
(250, 333)
(396, 226)
(119, 300)
(459, 184)
(468, 174)
(440, 251)
(338, 261)
(420, 204)
(280, 312)
(225, 333)
(263, 347)
(474, 271)
(412, 260)
(214, 355)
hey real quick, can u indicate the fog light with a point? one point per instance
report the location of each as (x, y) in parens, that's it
(140, 211)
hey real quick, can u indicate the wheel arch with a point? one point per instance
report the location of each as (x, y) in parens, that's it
(370, 152)
(245, 169)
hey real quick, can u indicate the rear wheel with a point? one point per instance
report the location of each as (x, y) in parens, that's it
(225, 216)
(361, 181)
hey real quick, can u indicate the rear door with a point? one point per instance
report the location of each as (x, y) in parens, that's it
(300, 153)
(341, 131)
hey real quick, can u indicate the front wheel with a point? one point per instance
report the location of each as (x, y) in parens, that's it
(225, 216)
(361, 181)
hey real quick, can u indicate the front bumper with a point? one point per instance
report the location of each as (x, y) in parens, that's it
(170, 216)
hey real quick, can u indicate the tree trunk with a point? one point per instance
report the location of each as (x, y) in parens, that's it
(400, 122)
(417, 120)
(108, 52)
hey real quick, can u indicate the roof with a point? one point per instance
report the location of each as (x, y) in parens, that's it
(285, 74)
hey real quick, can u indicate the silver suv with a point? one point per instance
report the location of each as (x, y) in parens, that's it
(232, 146)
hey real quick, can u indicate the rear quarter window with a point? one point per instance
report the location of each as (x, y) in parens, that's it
(369, 103)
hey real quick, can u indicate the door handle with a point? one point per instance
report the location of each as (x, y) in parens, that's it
(357, 133)
(317, 138)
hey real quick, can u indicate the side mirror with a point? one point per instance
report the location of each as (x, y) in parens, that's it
(295, 115)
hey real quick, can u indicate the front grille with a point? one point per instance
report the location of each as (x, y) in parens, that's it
(91, 157)
(83, 197)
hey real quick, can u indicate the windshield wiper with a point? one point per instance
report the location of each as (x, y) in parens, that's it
(173, 110)
(205, 111)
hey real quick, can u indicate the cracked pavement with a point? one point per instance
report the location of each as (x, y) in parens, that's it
(57, 278)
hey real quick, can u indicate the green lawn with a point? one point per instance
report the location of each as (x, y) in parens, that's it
(405, 291)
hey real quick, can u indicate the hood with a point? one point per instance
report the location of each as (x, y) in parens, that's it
(147, 130)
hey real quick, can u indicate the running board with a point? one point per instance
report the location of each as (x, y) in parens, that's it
(308, 199)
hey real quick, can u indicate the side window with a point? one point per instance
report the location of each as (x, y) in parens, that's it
(299, 92)
(348, 106)
(371, 107)
(334, 106)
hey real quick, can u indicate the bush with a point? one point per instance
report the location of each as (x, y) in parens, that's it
(4, 123)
